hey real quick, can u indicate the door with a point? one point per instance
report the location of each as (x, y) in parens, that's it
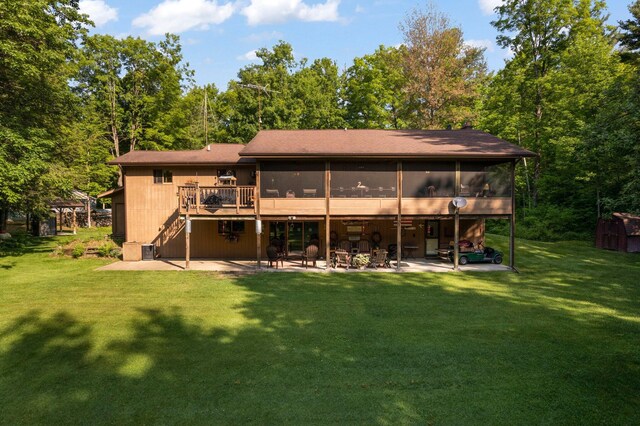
(431, 237)
(295, 238)
(300, 235)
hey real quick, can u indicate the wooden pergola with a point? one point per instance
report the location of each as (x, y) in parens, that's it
(60, 205)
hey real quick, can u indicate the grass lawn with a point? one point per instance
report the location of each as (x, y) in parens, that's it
(558, 343)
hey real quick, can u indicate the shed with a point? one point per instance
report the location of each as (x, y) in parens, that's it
(621, 233)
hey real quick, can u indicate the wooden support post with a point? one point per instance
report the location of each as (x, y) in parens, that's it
(187, 240)
(327, 217)
(456, 240)
(257, 207)
(456, 224)
(88, 212)
(73, 220)
(399, 228)
(197, 196)
(512, 227)
(237, 200)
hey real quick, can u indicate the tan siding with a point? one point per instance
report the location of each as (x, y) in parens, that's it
(363, 206)
(152, 210)
(292, 206)
(442, 206)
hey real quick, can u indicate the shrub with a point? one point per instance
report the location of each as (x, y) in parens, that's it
(78, 250)
(360, 260)
(105, 249)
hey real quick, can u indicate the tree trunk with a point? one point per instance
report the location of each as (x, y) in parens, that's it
(4, 215)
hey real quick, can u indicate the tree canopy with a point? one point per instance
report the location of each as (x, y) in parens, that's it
(70, 101)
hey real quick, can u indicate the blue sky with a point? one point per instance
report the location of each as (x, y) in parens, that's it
(219, 36)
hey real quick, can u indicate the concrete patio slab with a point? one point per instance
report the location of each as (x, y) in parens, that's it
(249, 266)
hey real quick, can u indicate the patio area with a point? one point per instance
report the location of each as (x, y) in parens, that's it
(249, 266)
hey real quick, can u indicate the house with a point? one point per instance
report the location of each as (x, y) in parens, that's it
(621, 233)
(390, 188)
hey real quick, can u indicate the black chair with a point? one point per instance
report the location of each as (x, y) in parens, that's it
(393, 251)
(274, 256)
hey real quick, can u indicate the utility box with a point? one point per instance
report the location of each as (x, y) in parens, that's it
(148, 251)
(131, 251)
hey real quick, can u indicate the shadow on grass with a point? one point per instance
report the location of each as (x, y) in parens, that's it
(335, 349)
(22, 243)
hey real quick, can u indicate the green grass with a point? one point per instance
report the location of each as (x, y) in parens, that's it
(558, 343)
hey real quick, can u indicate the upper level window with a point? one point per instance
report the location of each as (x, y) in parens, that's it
(428, 179)
(292, 179)
(363, 179)
(485, 179)
(162, 176)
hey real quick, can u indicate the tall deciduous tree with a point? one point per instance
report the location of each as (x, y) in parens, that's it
(374, 94)
(443, 74)
(134, 87)
(37, 53)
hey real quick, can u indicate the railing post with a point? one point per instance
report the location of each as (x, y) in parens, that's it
(197, 195)
(237, 189)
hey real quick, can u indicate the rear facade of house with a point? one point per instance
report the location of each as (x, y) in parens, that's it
(392, 189)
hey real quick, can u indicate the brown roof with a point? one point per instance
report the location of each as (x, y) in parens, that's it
(110, 192)
(631, 223)
(219, 153)
(465, 143)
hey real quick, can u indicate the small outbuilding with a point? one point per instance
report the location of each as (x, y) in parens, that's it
(621, 233)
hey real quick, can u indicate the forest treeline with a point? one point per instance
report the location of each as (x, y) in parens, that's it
(570, 91)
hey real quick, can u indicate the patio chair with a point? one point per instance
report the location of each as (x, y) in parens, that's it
(273, 193)
(274, 256)
(310, 255)
(345, 245)
(380, 258)
(341, 258)
(309, 192)
(364, 247)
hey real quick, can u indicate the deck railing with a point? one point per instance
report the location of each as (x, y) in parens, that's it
(202, 199)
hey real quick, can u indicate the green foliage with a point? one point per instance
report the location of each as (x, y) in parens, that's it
(108, 249)
(360, 260)
(38, 50)
(548, 99)
(630, 36)
(78, 250)
(373, 92)
(443, 76)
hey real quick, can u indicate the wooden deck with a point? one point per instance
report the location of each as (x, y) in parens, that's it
(216, 200)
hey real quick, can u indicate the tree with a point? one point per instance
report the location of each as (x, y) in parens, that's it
(38, 50)
(630, 37)
(374, 90)
(315, 88)
(134, 87)
(546, 99)
(443, 74)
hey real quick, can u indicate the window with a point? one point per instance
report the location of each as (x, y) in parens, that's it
(292, 180)
(162, 176)
(428, 179)
(230, 227)
(485, 179)
(363, 179)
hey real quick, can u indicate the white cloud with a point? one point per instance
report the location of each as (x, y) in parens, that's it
(487, 6)
(359, 9)
(176, 16)
(483, 44)
(279, 11)
(249, 56)
(99, 11)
